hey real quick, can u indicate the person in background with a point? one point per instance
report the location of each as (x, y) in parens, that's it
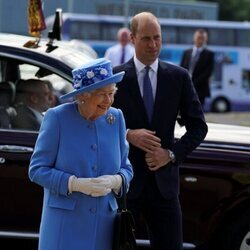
(152, 94)
(80, 159)
(122, 51)
(53, 95)
(199, 61)
(33, 97)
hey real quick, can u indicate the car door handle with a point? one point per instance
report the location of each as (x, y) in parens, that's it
(15, 149)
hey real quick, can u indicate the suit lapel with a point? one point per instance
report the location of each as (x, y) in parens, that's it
(201, 58)
(162, 84)
(131, 80)
(163, 91)
(188, 58)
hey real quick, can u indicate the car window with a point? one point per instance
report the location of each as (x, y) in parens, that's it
(20, 85)
(60, 85)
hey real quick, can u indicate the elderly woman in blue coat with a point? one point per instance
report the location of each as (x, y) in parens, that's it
(80, 159)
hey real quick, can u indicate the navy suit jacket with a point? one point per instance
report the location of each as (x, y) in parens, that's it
(175, 95)
(202, 71)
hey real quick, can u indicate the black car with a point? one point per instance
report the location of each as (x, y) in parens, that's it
(215, 178)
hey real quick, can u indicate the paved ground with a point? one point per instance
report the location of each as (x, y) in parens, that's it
(236, 118)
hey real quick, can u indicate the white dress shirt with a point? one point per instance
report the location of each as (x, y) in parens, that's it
(140, 71)
(194, 58)
(114, 54)
(196, 49)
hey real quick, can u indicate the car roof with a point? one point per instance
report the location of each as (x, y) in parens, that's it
(223, 133)
(12, 44)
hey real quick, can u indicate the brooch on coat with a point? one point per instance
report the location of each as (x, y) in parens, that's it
(110, 119)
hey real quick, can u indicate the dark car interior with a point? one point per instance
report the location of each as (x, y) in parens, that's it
(12, 72)
(11, 76)
(7, 97)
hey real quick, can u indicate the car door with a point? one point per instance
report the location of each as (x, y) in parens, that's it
(21, 202)
(20, 208)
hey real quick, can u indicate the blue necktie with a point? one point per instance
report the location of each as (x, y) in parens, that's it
(148, 94)
(123, 55)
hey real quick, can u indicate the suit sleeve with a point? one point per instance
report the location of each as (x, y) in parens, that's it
(185, 59)
(193, 118)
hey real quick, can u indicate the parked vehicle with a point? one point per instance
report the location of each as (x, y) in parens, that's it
(214, 179)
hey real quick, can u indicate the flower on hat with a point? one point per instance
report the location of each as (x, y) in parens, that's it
(90, 74)
(103, 71)
(77, 85)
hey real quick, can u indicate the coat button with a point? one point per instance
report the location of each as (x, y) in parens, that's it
(93, 210)
(94, 167)
(94, 146)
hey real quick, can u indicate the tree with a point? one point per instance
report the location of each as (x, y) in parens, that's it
(233, 10)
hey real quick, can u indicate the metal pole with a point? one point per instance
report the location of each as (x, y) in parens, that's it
(126, 13)
(70, 5)
(1, 15)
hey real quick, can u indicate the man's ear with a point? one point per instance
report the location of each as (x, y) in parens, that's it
(132, 38)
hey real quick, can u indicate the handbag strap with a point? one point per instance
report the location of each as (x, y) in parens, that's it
(124, 195)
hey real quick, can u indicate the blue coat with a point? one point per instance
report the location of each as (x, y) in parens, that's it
(70, 145)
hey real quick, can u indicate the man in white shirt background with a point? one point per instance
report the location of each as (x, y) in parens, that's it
(123, 50)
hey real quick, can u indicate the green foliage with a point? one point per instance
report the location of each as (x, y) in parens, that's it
(233, 10)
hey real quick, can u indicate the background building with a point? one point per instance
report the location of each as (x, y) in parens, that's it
(13, 13)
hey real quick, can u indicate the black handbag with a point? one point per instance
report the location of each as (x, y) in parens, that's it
(124, 229)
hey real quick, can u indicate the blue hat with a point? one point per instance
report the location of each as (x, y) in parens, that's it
(94, 75)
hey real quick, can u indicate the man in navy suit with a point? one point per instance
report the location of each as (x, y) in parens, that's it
(154, 154)
(199, 61)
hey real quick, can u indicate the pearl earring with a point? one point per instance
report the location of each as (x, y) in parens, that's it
(82, 102)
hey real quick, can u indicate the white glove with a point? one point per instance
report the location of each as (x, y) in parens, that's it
(90, 186)
(113, 182)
